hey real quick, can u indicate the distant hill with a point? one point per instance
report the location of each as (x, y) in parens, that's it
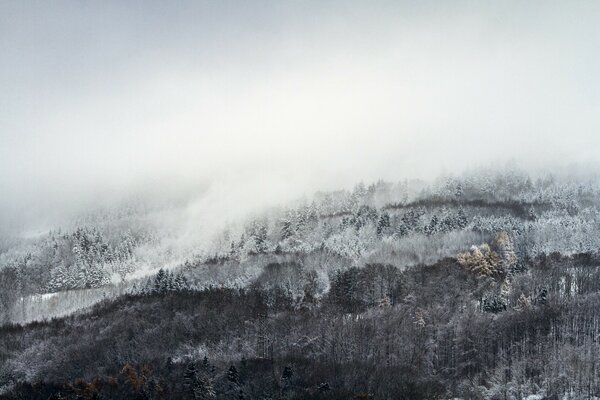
(483, 287)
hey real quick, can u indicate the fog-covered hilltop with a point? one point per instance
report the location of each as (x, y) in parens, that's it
(404, 224)
(478, 286)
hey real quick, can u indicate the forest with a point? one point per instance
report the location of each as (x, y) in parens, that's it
(481, 286)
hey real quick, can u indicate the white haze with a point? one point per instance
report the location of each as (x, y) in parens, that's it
(227, 107)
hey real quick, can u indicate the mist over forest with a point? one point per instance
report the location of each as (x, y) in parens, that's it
(300, 200)
(463, 286)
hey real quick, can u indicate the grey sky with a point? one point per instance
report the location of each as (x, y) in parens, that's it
(279, 98)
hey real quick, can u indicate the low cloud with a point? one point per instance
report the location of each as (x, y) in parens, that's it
(233, 107)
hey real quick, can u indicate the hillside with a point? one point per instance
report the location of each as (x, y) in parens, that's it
(473, 287)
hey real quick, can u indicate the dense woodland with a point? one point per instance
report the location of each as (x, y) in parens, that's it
(484, 286)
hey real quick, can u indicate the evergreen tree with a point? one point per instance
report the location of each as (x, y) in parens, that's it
(198, 387)
(461, 219)
(232, 375)
(402, 229)
(384, 223)
(181, 282)
(286, 229)
(160, 281)
(59, 279)
(312, 213)
(190, 376)
(542, 297)
(300, 221)
(259, 237)
(286, 378)
(433, 226)
(287, 374)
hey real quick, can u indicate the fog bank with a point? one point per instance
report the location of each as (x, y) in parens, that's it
(237, 105)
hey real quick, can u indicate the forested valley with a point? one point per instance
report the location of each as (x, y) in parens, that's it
(483, 286)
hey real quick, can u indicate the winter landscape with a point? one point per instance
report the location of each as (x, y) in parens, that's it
(300, 200)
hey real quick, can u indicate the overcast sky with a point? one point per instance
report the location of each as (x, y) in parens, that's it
(279, 98)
